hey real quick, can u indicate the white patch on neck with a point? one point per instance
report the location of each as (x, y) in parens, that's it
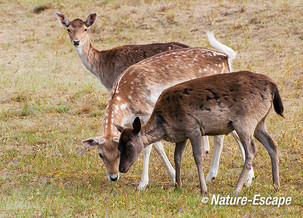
(79, 50)
(86, 63)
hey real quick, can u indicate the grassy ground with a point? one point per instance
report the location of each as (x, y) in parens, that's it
(49, 102)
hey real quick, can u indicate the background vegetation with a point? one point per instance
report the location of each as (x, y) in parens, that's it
(49, 102)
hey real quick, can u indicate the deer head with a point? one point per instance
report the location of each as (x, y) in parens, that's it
(110, 156)
(77, 29)
(130, 145)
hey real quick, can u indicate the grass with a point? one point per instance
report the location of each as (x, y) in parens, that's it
(49, 102)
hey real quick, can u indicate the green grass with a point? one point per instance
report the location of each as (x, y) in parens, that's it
(49, 102)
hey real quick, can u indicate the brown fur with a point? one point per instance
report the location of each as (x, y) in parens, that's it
(211, 105)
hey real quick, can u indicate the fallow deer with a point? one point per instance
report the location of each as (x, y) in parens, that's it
(107, 65)
(213, 105)
(135, 92)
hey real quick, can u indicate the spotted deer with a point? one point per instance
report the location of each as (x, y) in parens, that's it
(135, 93)
(218, 104)
(107, 65)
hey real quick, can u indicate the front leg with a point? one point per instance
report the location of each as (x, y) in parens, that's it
(179, 150)
(144, 178)
(205, 143)
(195, 139)
(171, 172)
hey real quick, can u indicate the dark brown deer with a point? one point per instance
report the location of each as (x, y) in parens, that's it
(213, 105)
(107, 65)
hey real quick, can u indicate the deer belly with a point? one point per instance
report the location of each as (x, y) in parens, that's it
(216, 126)
(175, 137)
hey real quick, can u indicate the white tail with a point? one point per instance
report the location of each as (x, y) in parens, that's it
(223, 48)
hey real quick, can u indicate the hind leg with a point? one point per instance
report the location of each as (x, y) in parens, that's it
(250, 151)
(272, 148)
(218, 145)
(251, 174)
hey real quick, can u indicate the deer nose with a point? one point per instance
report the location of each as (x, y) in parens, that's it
(114, 178)
(76, 42)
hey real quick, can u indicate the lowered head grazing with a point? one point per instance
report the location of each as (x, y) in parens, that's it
(130, 145)
(109, 156)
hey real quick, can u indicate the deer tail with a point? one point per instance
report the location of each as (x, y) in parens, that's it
(231, 54)
(278, 105)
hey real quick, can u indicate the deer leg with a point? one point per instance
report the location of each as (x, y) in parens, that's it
(250, 151)
(271, 146)
(251, 174)
(205, 143)
(195, 140)
(144, 178)
(179, 150)
(160, 150)
(215, 159)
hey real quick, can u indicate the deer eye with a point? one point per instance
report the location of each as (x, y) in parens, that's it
(68, 30)
(130, 146)
(85, 29)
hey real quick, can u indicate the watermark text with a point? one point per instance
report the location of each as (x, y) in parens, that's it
(257, 200)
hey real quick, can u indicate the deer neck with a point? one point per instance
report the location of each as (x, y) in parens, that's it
(153, 131)
(116, 112)
(90, 57)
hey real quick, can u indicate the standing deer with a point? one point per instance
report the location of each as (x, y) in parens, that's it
(107, 65)
(213, 105)
(136, 91)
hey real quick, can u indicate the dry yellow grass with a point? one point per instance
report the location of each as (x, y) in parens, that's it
(49, 102)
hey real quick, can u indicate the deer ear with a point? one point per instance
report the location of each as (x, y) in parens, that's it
(93, 142)
(90, 20)
(120, 128)
(137, 125)
(62, 19)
